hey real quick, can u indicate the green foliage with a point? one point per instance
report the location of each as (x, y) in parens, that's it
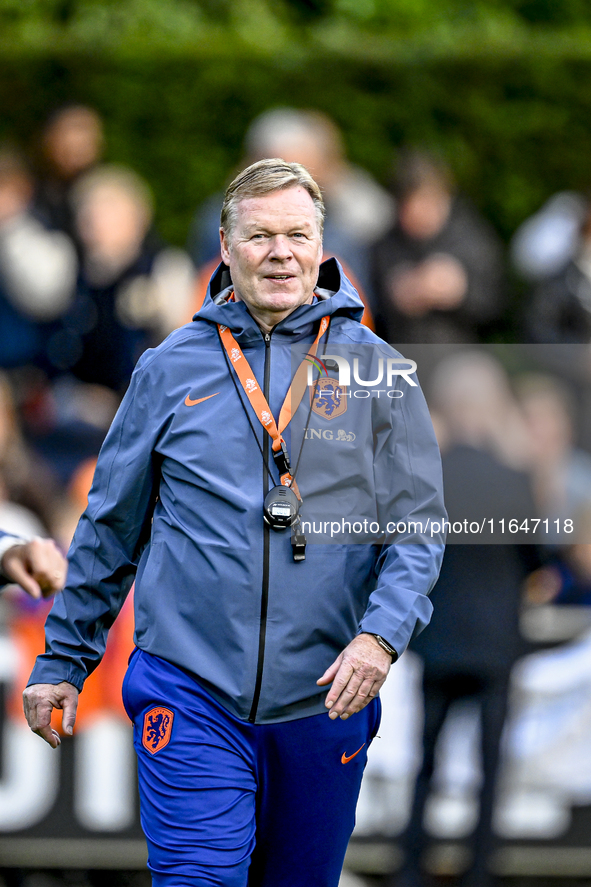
(554, 12)
(501, 88)
(376, 28)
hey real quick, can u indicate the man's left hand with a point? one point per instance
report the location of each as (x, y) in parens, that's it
(356, 675)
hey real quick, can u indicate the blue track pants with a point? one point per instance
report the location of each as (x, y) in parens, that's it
(226, 803)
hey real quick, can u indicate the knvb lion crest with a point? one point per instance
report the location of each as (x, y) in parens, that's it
(329, 399)
(157, 729)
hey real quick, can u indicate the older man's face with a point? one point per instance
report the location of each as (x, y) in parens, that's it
(274, 253)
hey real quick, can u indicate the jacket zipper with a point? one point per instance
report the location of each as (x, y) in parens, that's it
(266, 545)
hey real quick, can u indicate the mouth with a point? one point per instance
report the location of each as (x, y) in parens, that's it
(279, 277)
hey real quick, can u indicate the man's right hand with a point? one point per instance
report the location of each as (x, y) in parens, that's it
(39, 700)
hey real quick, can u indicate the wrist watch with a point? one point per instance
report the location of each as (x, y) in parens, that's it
(386, 646)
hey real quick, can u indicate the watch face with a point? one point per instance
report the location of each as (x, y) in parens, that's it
(385, 645)
(280, 510)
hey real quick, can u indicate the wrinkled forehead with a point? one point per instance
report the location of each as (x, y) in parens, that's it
(279, 210)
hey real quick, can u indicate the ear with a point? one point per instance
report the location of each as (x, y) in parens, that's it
(224, 247)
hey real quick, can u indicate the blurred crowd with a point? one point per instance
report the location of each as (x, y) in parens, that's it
(87, 284)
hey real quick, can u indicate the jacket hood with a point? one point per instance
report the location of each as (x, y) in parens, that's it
(335, 294)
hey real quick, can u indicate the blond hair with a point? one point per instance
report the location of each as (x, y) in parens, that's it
(264, 177)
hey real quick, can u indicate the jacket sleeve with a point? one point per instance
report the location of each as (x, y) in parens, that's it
(409, 485)
(107, 544)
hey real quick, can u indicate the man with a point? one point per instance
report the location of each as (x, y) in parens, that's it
(36, 565)
(239, 628)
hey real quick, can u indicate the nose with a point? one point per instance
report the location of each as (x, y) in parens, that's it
(280, 248)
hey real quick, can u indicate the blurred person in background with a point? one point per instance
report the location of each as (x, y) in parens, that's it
(83, 322)
(561, 472)
(473, 640)
(358, 210)
(132, 289)
(37, 268)
(28, 492)
(438, 271)
(546, 241)
(559, 309)
(71, 143)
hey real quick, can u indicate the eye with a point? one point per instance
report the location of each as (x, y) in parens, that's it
(299, 235)
(258, 236)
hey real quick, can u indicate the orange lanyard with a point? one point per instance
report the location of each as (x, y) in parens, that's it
(258, 401)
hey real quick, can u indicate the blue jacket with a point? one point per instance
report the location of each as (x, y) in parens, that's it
(176, 504)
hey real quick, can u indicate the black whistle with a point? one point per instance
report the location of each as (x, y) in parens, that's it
(298, 542)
